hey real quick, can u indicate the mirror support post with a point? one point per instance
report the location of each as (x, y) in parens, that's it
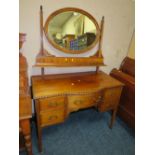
(41, 36)
(100, 42)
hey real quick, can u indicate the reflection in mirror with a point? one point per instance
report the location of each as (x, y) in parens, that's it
(72, 30)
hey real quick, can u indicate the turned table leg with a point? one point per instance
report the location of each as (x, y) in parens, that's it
(25, 127)
(28, 144)
(113, 117)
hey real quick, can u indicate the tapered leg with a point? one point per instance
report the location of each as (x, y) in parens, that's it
(39, 129)
(113, 117)
(39, 138)
(25, 127)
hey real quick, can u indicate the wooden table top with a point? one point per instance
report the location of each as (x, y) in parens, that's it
(72, 83)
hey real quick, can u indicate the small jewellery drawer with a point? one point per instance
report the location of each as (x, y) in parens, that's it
(82, 101)
(51, 103)
(51, 117)
(111, 96)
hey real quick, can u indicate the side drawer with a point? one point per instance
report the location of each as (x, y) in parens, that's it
(51, 117)
(51, 103)
(111, 98)
(77, 102)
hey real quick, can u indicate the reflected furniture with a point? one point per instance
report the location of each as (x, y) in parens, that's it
(82, 42)
(25, 104)
(67, 40)
(56, 96)
(126, 74)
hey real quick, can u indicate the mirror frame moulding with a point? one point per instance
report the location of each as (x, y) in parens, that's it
(52, 15)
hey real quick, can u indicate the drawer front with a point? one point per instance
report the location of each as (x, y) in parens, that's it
(52, 103)
(111, 98)
(51, 117)
(77, 102)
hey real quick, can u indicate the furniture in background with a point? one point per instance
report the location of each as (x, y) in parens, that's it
(126, 74)
(56, 96)
(67, 39)
(82, 42)
(25, 104)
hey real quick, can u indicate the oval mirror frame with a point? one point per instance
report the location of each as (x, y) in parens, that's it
(51, 16)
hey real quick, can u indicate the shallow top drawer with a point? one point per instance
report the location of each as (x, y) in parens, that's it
(52, 103)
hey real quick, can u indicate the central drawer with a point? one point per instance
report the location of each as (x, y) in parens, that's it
(77, 102)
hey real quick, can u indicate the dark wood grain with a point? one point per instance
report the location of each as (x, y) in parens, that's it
(126, 74)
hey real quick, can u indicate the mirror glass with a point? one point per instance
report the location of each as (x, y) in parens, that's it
(71, 31)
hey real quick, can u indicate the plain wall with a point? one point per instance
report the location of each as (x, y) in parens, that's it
(118, 29)
(131, 52)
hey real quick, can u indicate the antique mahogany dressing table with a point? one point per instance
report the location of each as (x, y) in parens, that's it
(25, 104)
(57, 95)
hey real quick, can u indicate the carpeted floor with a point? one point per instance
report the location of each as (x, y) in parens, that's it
(86, 133)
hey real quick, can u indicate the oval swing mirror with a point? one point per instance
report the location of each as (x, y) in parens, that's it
(72, 30)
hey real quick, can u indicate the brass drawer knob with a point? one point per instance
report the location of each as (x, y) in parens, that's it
(53, 104)
(51, 118)
(78, 102)
(99, 99)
